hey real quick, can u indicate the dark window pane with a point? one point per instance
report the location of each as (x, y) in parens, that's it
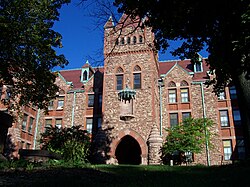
(137, 81)
(91, 100)
(119, 82)
(173, 120)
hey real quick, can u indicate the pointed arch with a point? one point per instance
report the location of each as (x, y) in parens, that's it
(184, 83)
(171, 84)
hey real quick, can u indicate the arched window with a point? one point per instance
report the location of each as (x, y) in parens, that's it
(184, 92)
(134, 39)
(117, 41)
(122, 41)
(137, 77)
(119, 78)
(184, 83)
(140, 39)
(172, 97)
(171, 84)
(128, 40)
(85, 75)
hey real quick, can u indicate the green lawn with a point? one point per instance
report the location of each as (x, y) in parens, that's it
(126, 175)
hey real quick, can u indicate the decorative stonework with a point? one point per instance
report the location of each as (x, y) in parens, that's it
(154, 146)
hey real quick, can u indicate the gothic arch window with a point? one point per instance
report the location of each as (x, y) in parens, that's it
(85, 75)
(140, 39)
(172, 93)
(171, 84)
(137, 77)
(122, 41)
(128, 40)
(119, 78)
(117, 41)
(184, 92)
(134, 39)
(184, 83)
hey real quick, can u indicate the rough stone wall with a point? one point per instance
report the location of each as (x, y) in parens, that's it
(145, 103)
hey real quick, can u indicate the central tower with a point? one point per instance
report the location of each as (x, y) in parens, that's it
(130, 67)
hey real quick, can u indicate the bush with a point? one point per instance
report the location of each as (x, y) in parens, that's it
(71, 143)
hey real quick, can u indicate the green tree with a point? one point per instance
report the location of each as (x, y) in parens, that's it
(27, 54)
(72, 144)
(221, 26)
(192, 135)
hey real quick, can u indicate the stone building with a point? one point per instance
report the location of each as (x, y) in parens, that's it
(127, 103)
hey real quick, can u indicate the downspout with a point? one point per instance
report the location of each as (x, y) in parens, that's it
(160, 84)
(160, 111)
(36, 129)
(73, 109)
(204, 117)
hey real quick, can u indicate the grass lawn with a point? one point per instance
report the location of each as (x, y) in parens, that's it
(127, 175)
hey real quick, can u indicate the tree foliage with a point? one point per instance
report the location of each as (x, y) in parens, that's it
(72, 143)
(28, 43)
(189, 136)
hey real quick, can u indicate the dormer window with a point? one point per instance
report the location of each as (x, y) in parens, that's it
(85, 76)
(198, 67)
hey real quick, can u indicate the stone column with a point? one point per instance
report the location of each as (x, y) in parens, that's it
(154, 145)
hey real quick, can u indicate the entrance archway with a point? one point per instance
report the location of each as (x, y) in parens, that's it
(128, 151)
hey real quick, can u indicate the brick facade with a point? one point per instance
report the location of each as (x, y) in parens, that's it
(89, 97)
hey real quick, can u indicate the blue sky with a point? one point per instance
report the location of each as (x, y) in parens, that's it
(82, 39)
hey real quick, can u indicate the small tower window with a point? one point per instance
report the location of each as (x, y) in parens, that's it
(140, 39)
(134, 39)
(122, 41)
(128, 40)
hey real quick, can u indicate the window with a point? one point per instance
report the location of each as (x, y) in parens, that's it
(184, 83)
(89, 124)
(99, 121)
(51, 105)
(241, 148)
(172, 96)
(85, 76)
(237, 118)
(24, 124)
(222, 95)
(184, 95)
(128, 40)
(119, 82)
(198, 67)
(31, 124)
(137, 80)
(134, 39)
(91, 100)
(227, 147)
(48, 123)
(100, 101)
(28, 145)
(59, 123)
(224, 118)
(173, 120)
(122, 41)
(171, 84)
(233, 93)
(140, 39)
(186, 115)
(60, 103)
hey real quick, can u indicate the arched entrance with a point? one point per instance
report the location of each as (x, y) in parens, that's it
(128, 151)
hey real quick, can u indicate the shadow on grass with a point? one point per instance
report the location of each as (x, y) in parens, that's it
(126, 175)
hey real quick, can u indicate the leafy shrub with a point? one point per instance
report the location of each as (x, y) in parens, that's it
(71, 143)
(188, 137)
